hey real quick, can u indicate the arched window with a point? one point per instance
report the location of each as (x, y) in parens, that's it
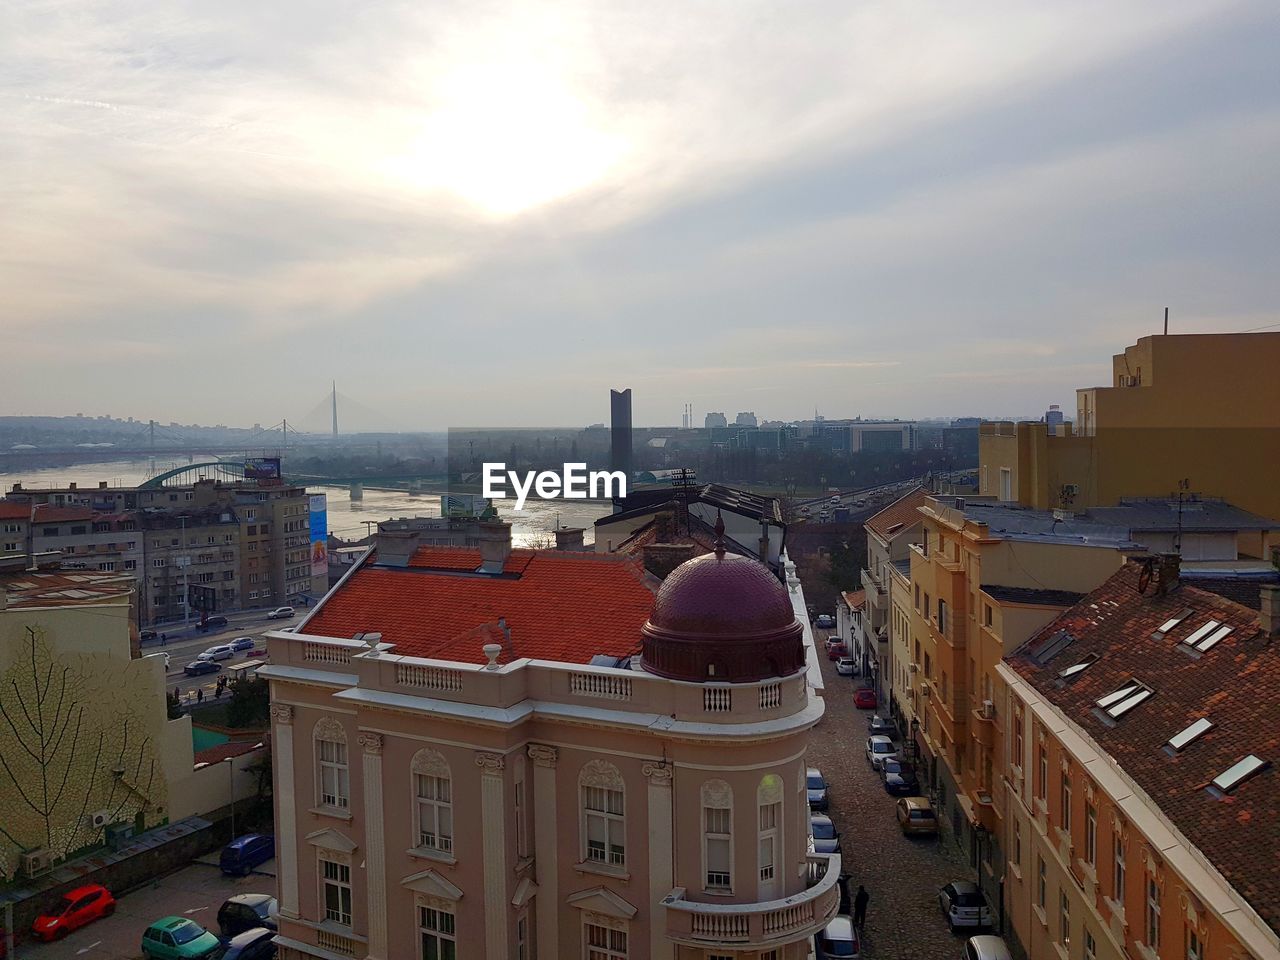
(333, 780)
(769, 840)
(432, 802)
(717, 835)
(604, 828)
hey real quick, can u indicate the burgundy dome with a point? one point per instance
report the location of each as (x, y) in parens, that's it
(723, 618)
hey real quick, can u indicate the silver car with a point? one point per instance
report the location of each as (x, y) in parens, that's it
(221, 652)
(880, 749)
(838, 939)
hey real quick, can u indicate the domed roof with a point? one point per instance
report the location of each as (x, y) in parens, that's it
(722, 595)
(722, 618)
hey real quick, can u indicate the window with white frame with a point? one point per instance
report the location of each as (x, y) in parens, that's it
(436, 932)
(1118, 869)
(335, 882)
(1195, 946)
(769, 811)
(333, 777)
(433, 802)
(604, 823)
(1065, 800)
(717, 834)
(1090, 946)
(1153, 913)
(1091, 835)
(604, 942)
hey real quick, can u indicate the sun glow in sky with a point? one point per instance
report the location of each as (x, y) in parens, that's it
(506, 137)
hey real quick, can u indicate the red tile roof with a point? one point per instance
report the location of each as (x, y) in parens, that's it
(14, 510)
(233, 748)
(904, 512)
(54, 514)
(1236, 684)
(558, 605)
(856, 599)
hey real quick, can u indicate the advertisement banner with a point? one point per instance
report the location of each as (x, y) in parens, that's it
(319, 535)
(263, 469)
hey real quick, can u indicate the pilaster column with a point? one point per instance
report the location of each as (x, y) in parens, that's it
(286, 805)
(661, 856)
(547, 913)
(375, 846)
(493, 824)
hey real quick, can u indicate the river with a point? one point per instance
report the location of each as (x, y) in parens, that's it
(347, 518)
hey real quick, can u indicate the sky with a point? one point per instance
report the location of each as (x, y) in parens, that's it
(479, 213)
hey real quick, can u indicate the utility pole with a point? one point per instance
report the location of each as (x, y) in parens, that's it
(184, 561)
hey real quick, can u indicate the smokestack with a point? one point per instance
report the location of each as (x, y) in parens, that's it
(620, 431)
(569, 538)
(1167, 572)
(1269, 610)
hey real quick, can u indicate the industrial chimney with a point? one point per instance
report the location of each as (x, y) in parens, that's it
(620, 431)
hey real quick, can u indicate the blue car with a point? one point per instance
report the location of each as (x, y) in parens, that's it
(243, 643)
(242, 854)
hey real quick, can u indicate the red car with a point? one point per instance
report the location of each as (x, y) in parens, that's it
(76, 908)
(836, 649)
(865, 699)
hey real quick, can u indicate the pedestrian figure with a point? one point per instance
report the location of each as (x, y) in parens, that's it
(860, 907)
(164, 640)
(200, 695)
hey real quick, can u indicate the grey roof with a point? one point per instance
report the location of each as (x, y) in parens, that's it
(1161, 513)
(1016, 522)
(1032, 595)
(1245, 589)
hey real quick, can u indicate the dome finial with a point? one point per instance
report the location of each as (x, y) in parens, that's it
(719, 535)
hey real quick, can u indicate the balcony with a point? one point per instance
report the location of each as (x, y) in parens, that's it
(729, 925)
(983, 726)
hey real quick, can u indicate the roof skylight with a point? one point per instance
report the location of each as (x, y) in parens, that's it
(1051, 647)
(1200, 634)
(1120, 702)
(1238, 773)
(1213, 639)
(1181, 739)
(1173, 621)
(1078, 668)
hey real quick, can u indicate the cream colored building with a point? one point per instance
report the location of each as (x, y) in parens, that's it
(542, 753)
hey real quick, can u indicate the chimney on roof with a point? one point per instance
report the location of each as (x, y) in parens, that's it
(1269, 609)
(1168, 568)
(569, 538)
(102, 484)
(661, 558)
(71, 485)
(664, 526)
(495, 546)
(395, 547)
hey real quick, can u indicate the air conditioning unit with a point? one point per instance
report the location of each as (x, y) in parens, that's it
(924, 687)
(913, 667)
(989, 709)
(1071, 489)
(98, 819)
(36, 863)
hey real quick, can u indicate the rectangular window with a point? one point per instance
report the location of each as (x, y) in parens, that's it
(1065, 800)
(1090, 947)
(158, 562)
(1117, 873)
(337, 891)
(1195, 946)
(770, 820)
(334, 785)
(942, 616)
(1153, 913)
(1064, 919)
(131, 564)
(1042, 883)
(1042, 773)
(605, 827)
(437, 931)
(523, 951)
(719, 845)
(1091, 835)
(435, 812)
(522, 843)
(605, 943)
(1017, 842)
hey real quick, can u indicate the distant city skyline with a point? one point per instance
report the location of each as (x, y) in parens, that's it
(492, 215)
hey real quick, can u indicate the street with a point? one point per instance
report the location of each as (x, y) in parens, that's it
(902, 874)
(195, 891)
(184, 645)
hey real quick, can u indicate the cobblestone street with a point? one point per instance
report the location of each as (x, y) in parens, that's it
(902, 874)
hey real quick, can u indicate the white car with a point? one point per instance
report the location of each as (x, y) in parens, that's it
(963, 905)
(986, 948)
(880, 749)
(844, 666)
(838, 939)
(280, 613)
(221, 652)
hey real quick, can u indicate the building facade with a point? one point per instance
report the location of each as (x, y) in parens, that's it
(488, 774)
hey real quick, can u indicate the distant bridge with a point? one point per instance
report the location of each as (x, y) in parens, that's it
(234, 470)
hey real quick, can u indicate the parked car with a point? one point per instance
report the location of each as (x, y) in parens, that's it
(879, 724)
(242, 643)
(210, 622)
(838, 938)
(963, 905)
(256, 944)
(915, 815)
(247, 911)
(986, 947)
(242, 854)
(836, 648)
(816, 787)
(280, 613)
(899, 778)
(879, 749)
(865, 698)
(146, 634)
(222, 651)
(197, 668)
(844, 666)
(177, 938)
(73, 910)
(825, 621)
(826, 838)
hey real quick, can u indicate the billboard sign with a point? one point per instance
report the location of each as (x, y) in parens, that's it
(462, 505)
(319, 535)
(263, 469)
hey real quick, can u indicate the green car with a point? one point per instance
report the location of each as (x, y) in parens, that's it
(177, 937)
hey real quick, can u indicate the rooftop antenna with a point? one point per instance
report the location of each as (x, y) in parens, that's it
(1183, 486)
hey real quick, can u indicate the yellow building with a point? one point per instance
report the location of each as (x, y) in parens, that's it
(1190, 408)
(85, 742)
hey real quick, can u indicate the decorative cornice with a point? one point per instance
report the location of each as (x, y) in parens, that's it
(490, 763)
(372, 743)
(659, 774)
(542, 755)
(281, 713)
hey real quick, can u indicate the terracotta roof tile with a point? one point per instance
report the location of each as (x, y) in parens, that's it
(46, 513)
(14, 510)
(903, 511)
(1236, 684)
(856, 599)
(233, 748)
(558, 605)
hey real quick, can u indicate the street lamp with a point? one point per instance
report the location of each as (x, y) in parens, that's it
(915, 744)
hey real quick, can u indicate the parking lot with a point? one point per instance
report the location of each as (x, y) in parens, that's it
(902, 874)
(195, 891)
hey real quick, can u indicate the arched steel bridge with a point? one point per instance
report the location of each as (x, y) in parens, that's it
(189, 473)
